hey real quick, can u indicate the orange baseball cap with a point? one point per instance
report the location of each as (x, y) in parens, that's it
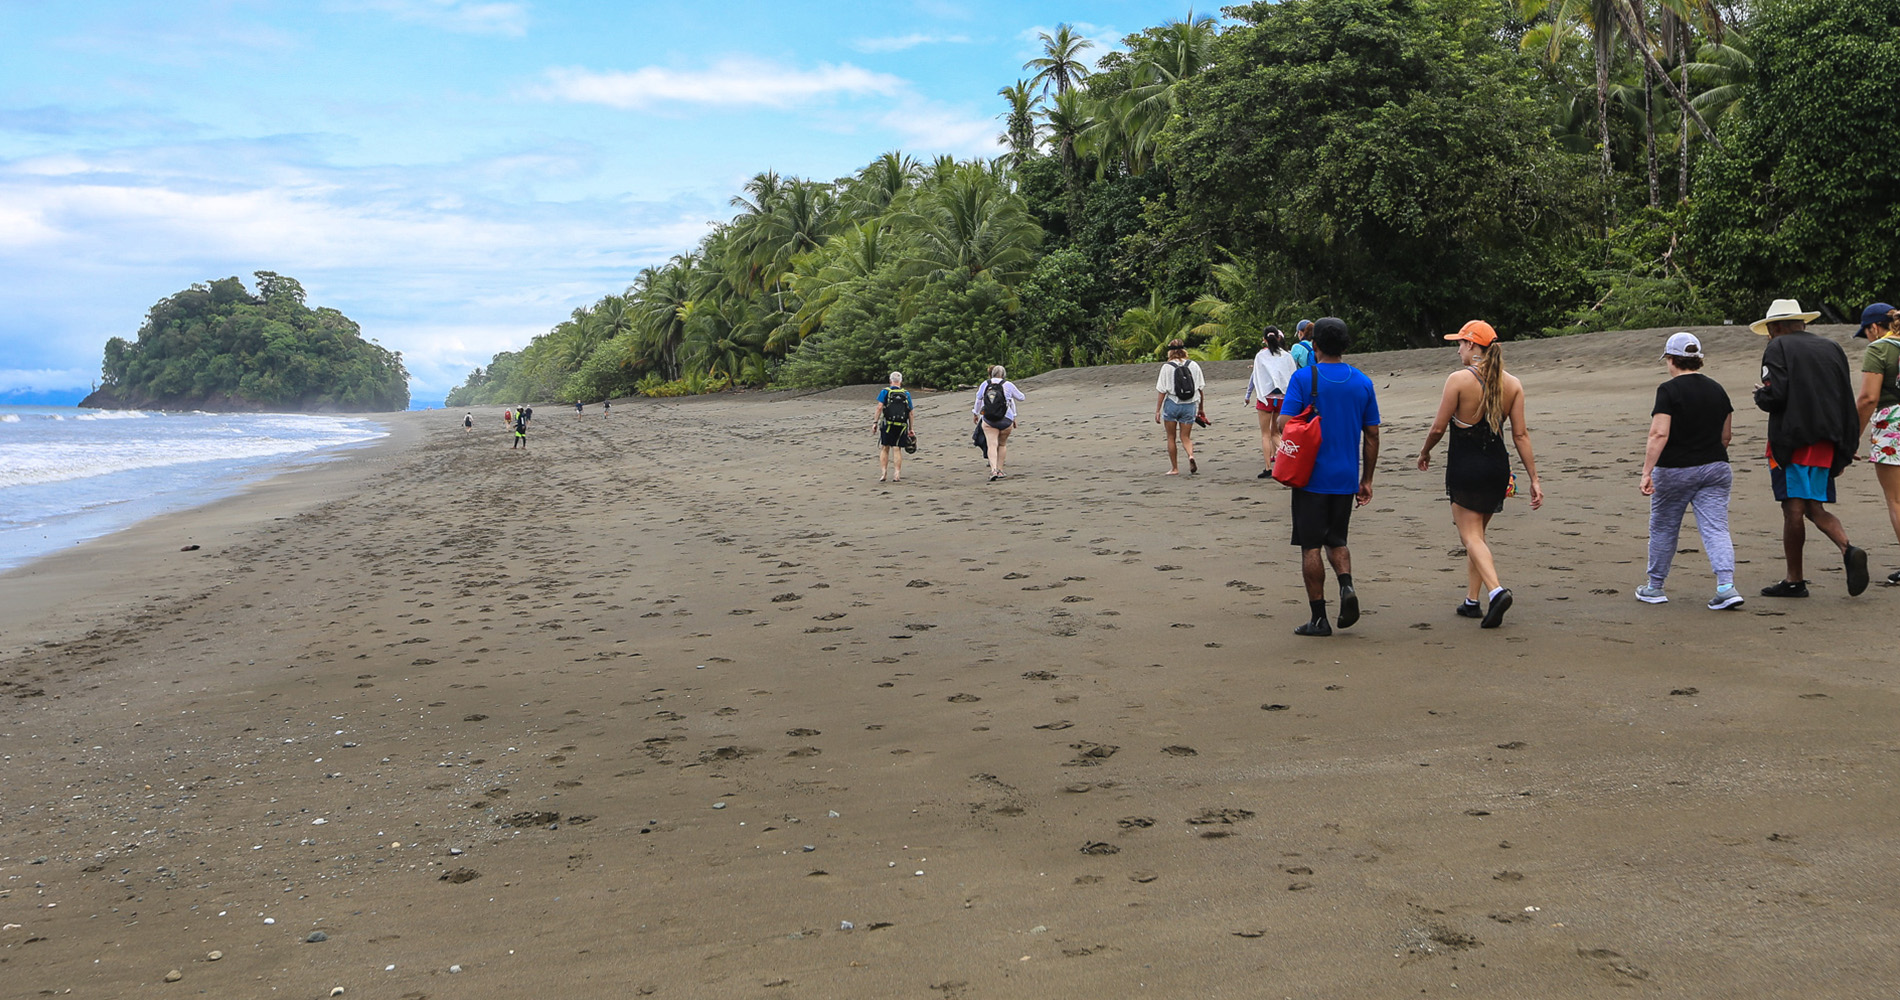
(1477, 331)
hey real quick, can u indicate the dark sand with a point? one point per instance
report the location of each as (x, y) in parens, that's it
(1049, 737)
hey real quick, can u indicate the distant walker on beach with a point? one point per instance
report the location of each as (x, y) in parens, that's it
(995, 415)
(1179, 388)
(890, 418)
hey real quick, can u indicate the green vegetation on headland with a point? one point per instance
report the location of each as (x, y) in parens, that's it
(1553, 166)
(218, 347)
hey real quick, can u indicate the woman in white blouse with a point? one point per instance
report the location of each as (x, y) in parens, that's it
(1272, 367)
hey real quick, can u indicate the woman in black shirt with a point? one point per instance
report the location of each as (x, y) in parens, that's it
(1686, 465)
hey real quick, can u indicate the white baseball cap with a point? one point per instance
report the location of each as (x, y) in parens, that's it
(1683, 345)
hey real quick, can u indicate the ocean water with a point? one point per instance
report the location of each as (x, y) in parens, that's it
(68, 474)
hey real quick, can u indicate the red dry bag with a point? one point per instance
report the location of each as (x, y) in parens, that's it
(1299, 443)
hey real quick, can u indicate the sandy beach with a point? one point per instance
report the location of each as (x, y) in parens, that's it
(684, 703)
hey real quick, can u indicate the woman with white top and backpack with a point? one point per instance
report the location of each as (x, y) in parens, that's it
(995, 413)
(1178, 390)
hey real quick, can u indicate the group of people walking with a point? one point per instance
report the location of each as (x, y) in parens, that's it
(1320, 435)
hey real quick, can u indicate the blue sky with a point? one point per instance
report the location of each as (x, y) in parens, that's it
(455, 175)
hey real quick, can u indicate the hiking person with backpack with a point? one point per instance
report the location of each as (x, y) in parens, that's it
(891, 419)
(1178, 391)
(995, 414)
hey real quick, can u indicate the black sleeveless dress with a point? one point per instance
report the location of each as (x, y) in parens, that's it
(1477, 468)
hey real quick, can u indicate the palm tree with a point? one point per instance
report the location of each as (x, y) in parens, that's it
(1176, 51)
(1147, 329)
(1064, 118)
(1059, 66)
(820, 278)
(722, 336)
(1606, 21)
(1228, 322)
(660, 299)
(1725, 70)
(871, 192)
(967, 220)
(1019, 122)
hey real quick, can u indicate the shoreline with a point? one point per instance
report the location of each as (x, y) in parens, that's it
(65, 593)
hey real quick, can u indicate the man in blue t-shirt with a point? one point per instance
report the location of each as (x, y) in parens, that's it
(1342, 471)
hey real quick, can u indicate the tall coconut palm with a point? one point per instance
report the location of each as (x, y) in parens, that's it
(1608, 22)
(1178, 50)
(1060, 65)
(1019, 122)
(1063, 119)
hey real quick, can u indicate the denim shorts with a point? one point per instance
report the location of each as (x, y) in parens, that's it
(1174, 411)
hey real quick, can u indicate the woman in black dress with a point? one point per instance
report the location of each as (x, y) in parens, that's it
(1478, 399)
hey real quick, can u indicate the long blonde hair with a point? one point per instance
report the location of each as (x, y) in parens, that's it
(1491, 376)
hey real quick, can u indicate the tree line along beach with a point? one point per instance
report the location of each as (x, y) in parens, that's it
(684, 703)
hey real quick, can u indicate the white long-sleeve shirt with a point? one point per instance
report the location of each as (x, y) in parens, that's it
(1271, 373)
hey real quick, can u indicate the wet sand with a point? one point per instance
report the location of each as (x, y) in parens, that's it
(658, 707)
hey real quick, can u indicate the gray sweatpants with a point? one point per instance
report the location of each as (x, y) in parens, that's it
(1704, 487)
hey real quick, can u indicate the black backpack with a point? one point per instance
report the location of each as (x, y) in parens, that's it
(896, 406)
(1183, 382)
(995, 402)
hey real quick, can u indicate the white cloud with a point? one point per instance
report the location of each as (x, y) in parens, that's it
(473, 17)
(939, 129)
(728, 82)
(18, 380)
(446, 280)
(898, 43)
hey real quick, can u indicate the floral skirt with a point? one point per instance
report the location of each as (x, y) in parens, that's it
(1886, 435)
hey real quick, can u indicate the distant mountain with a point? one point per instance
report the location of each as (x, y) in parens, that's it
(218, 347)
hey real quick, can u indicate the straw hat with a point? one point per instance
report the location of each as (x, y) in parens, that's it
(1779, 310)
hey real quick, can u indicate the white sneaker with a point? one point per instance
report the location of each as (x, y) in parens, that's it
(1652, 595)
(1725, 598)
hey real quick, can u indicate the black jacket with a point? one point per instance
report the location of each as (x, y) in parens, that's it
(1809, 396)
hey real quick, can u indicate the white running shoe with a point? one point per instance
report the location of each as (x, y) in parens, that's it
(1652, 595)
(1725, 597)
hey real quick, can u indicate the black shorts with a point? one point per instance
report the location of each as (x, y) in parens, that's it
(891, 435)
(1321, 519)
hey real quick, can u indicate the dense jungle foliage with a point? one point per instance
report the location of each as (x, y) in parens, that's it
(1552, 166)
(218, 347)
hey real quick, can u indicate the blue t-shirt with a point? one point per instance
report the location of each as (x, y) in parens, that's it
(1346, 405)
(1302, 355)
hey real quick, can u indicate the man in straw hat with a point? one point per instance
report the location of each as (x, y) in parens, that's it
(1813, 429)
